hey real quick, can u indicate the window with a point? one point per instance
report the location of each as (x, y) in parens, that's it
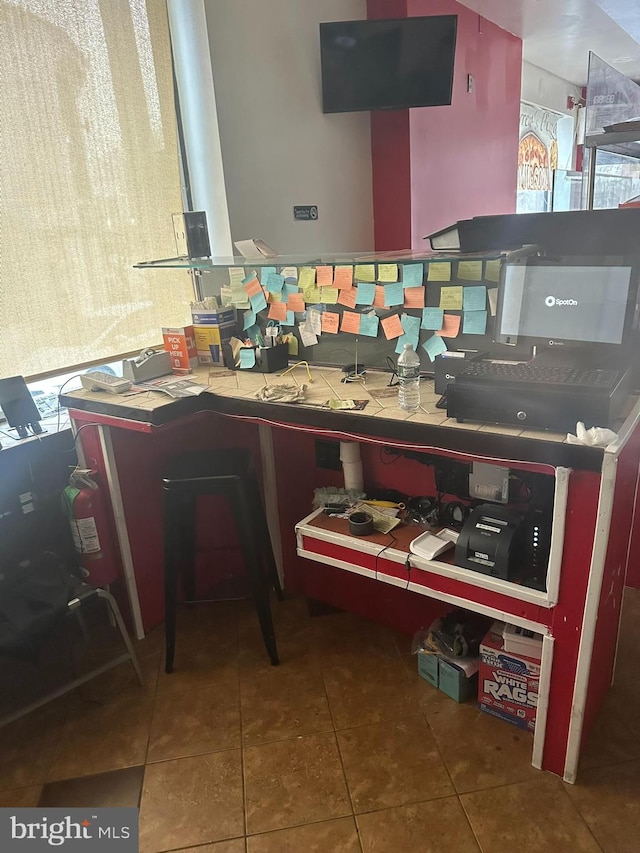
(89, 178)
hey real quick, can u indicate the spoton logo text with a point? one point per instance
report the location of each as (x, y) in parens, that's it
(552, 302)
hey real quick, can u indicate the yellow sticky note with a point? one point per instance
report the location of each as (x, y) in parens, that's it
(492, 270)
(236, 275)
(365, 272)
(470, 270)
(439, 271)
(329, 295)
(306, 277)
(451, 298)
(387, 272)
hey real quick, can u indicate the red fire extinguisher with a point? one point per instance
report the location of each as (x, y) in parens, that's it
(85, 507)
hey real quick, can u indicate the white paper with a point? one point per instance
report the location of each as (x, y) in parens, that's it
(307, 335)
(314, 321)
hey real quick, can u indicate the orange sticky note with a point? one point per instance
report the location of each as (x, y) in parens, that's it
(348, 297)
(392, 327)
(450, 326)
(252, 287)
(414, 297)
(295, 302)
(378, 299)
(350, 322)
(343, 277)
(324, 276)
(330, 322)
(278, 311)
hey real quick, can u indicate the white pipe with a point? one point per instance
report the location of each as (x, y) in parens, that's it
(194, 76)
(351, 465)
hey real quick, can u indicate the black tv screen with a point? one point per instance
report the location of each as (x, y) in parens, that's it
(387, 64)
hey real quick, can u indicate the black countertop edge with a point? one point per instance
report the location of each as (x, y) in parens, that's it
(469, 441)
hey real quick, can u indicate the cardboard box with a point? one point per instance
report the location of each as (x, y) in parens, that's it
(180, 344)
(454, 682)
(212, 329)
(428, 667)
(508, 684)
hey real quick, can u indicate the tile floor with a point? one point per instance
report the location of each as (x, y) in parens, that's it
(341, 749)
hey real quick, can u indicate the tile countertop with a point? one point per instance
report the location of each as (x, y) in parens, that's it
(234, 393)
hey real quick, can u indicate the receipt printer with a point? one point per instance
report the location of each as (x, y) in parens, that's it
(492, 541)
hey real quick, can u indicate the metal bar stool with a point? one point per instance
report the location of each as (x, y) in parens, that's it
(215, 472)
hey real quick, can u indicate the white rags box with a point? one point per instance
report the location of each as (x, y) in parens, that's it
(508, 682)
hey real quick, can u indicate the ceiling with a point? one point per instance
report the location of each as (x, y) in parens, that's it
(557, 35)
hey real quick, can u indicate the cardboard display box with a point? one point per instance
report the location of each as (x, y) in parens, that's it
(180, 344)
(211, 330)
(508, 684)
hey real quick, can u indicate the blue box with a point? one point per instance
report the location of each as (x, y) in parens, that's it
(428, 667)
(453, 681)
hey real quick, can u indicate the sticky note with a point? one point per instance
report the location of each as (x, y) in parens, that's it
(414, 297)
(432, 318)
(348, 297)
(329, 295)
(265, 272)
(470, 270)
(411, 327)
(312, 294)
(274, 283)
(450, 326)
(387, 272)
(288, 289)
(350, 322)
(324, 276)
(366, 293)
(258, 302)
(412, 275)
(236, 275)
(290, 319)
(343, 277)
(252, 287)
(247, 358)
(492, 270)
(330, 322)
(392, 327)
(295, 302)
(451, 298)
(492, 295)
(365, 272)
(434, 346)
(277, 311)
(369, 324)
(474, 322)
(378, 299)
(474, 298)
(307, 277)
(393, 294)
(439, 271)
(249, 319)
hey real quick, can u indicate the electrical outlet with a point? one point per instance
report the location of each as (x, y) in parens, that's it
(328, 455)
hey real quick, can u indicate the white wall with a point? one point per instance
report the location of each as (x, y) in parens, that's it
(546, 90)
(278, 148)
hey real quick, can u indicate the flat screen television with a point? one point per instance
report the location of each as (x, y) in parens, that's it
(387, 64)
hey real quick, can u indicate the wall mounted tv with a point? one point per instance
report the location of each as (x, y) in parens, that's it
(387, 64)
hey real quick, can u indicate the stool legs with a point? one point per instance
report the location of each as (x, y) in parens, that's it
(264, 538)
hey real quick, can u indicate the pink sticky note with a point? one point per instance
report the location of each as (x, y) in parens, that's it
(330, 322)
(414, 297)
(378, 299)
(295, 302)
(343, 277)
(348, 297)
(392, 327)
(350, 322)
(324, 276)
(278, 311)
(252, 287)
(450, 326)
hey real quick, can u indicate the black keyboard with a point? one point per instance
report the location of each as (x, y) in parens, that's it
(522, 372)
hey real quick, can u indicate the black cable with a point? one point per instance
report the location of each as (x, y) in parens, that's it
(388, 545)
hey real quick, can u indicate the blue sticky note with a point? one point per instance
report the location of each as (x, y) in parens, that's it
(265, 272)
(274, 283)
(402, 340)
(369, 325)
(291, 319)
(290, 288)
(247, 358)
(411, 326)
(474, 322)
(249, 319)
(412, 275)
(366, 293)
(432, 318)
(474, 298)
(393, 294)
(434, 346)
(258, 302)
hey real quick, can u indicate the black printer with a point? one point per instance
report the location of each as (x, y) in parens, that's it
(492, 541)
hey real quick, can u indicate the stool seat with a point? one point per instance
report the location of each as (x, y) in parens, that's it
(227, 472)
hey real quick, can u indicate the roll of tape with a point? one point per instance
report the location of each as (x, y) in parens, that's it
(349, 451)
(353, 477)
(360, 523)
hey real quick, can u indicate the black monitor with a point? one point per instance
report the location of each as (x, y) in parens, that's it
(568, 302)
(387, 64)
(18, 406)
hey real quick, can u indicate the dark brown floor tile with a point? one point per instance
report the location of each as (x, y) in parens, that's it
(610, 741)
(608, 798)
(20, 798)
(191, 801)
(362, 694)
(121, 682)
(627, 664)
(293, 782)
(28, 746)
(347, 639)
(236, 845)
(192, 722)
(106, 790)
(296, 652)
(275, 708)
(437, 826)
(328, 836)
(97, 738)
(481, 751)
(623, 701)
(392, 763)
(198, 666)
(532, 817)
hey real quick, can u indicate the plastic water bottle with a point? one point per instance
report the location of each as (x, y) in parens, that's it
(409, 379)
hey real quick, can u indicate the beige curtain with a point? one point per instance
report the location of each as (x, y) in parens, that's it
(89, 178)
